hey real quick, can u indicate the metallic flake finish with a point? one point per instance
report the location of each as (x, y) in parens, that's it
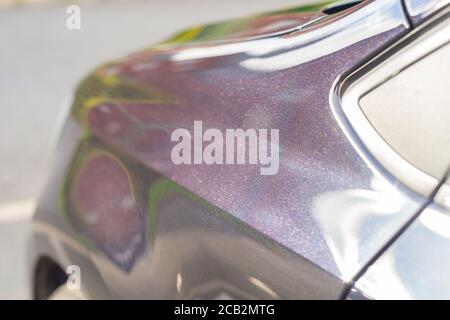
(281, 82)
(193, 231)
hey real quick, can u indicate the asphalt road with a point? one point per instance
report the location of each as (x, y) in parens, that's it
(41, 62)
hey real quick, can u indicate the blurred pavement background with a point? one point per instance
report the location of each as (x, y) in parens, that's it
(41, 62)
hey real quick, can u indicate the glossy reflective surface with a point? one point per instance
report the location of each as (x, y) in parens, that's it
(406, 133)
(416, 125)
(421, 9)
(416, 265)
(266, 83)
(152, 229)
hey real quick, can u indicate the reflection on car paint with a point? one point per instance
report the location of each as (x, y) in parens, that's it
(205, 231)
(159, 91)
(100, 201)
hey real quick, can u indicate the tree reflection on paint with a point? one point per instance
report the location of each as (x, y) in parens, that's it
(104, 207)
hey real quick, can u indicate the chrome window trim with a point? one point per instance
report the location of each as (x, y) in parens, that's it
(349, 93)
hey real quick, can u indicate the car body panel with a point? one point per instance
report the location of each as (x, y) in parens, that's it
(416, 265)
(152, 229)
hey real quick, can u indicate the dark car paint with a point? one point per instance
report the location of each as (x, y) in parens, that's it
(142, 227)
